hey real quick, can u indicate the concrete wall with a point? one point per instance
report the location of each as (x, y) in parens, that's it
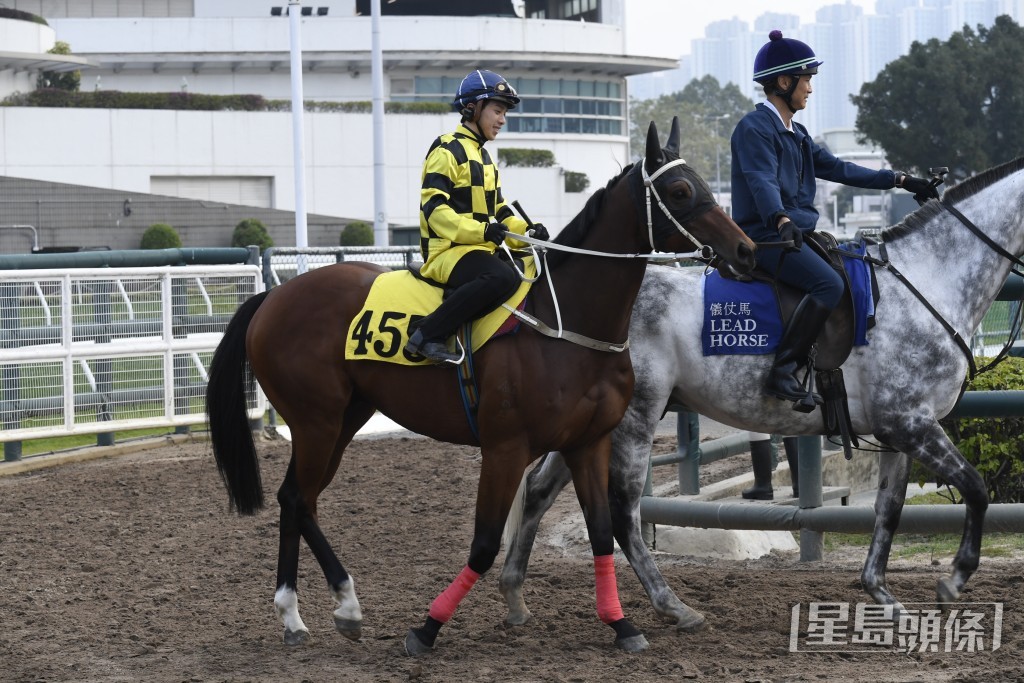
(74, 216)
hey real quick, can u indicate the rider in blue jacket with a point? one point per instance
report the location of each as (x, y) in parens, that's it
(774, 167)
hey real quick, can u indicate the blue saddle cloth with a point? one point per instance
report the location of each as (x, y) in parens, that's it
(743, 318)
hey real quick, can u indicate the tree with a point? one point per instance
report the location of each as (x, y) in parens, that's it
(251, 231)
(701, 106)
(953, 104)
(64, 80)
(160, 236)
(356, 234)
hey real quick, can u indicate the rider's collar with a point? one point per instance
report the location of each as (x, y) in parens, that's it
(468, 132)
(769, 105)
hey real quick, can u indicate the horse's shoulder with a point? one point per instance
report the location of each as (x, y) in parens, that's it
(666, 298)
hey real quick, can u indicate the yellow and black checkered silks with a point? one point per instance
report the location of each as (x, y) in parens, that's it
(460, 195)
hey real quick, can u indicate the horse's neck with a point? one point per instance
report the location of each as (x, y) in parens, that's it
(953, 268)
(596, 294)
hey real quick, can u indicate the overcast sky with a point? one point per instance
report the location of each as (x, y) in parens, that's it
(664, 28)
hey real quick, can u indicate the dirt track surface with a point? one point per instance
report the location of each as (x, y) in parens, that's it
(133, 569)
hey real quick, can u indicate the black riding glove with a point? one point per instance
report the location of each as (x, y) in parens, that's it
(920, 187)
(495, 232)
(540, 232)
(789, 231)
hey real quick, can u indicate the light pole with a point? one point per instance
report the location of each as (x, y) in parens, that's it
(718, 154)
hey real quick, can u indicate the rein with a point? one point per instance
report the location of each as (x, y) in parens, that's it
(982, 236)
(884, 262)
(704, 252)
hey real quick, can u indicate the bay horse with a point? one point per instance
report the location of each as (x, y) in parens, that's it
(536, 393)
(909, 376)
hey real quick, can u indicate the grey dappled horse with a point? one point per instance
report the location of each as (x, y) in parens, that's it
(908, 377)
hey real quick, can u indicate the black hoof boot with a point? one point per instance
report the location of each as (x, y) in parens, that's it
(628, 637)
(420, 641)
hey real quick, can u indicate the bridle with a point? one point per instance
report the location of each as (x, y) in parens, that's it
(650, 190)
(704, 253)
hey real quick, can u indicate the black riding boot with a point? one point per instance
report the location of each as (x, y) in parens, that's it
(480, 283)
(761, 457)
(803, 329)
(793, 456)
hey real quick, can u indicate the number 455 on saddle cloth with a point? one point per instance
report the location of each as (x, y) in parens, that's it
(398, 299)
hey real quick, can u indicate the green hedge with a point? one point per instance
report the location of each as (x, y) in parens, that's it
(530, 158)
(251, 231)
(995, 446)
(160, 236)
(115, 99)
(356, 234)
(576, 181)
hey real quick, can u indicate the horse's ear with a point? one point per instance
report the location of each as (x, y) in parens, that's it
(673, 137)
(654, 158)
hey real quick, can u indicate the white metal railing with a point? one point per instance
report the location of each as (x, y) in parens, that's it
(99, 350)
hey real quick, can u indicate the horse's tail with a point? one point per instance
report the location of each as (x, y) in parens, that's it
(515, 514)
(226, 408)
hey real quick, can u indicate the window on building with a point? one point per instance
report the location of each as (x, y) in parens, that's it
(549, 105)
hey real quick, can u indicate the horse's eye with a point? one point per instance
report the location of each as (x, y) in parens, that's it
(681, 194)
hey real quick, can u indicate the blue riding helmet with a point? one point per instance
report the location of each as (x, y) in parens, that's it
(484, 85)
(784, 56)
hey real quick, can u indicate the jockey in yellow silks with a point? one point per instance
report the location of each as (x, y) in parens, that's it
(464, 217)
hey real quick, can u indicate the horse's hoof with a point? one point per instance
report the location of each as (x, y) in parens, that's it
(415, 647)
(691, 623)
(635, 643)
(946, 592)
(518, 618)
(350, 628)
(296, 637)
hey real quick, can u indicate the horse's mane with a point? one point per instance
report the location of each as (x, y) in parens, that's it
(573, 233)
(955, 194)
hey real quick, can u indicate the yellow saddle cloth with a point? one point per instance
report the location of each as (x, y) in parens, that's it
(397, 299)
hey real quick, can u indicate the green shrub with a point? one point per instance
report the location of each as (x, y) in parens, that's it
(576, 181)
(115, 99)
(357, 234)
(995, 446)
(66, 80)
(530, 158)
(251, 231)
(160, 236)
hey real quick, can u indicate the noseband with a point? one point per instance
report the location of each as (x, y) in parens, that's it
(650, 190)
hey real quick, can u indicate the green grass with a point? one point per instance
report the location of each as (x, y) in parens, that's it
(937, 546)
(73, 441)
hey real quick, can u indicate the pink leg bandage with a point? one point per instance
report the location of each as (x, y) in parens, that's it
(608, 607)
(444, 605)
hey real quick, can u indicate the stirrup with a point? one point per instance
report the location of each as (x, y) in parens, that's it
(416, 346)
(811, 400)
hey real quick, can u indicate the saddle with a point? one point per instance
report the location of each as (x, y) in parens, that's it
(834, 343)
(836, 339)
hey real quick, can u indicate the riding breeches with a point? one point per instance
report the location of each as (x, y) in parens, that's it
(806, 271)
(478, 284)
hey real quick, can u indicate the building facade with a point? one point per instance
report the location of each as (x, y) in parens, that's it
(568, 61)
